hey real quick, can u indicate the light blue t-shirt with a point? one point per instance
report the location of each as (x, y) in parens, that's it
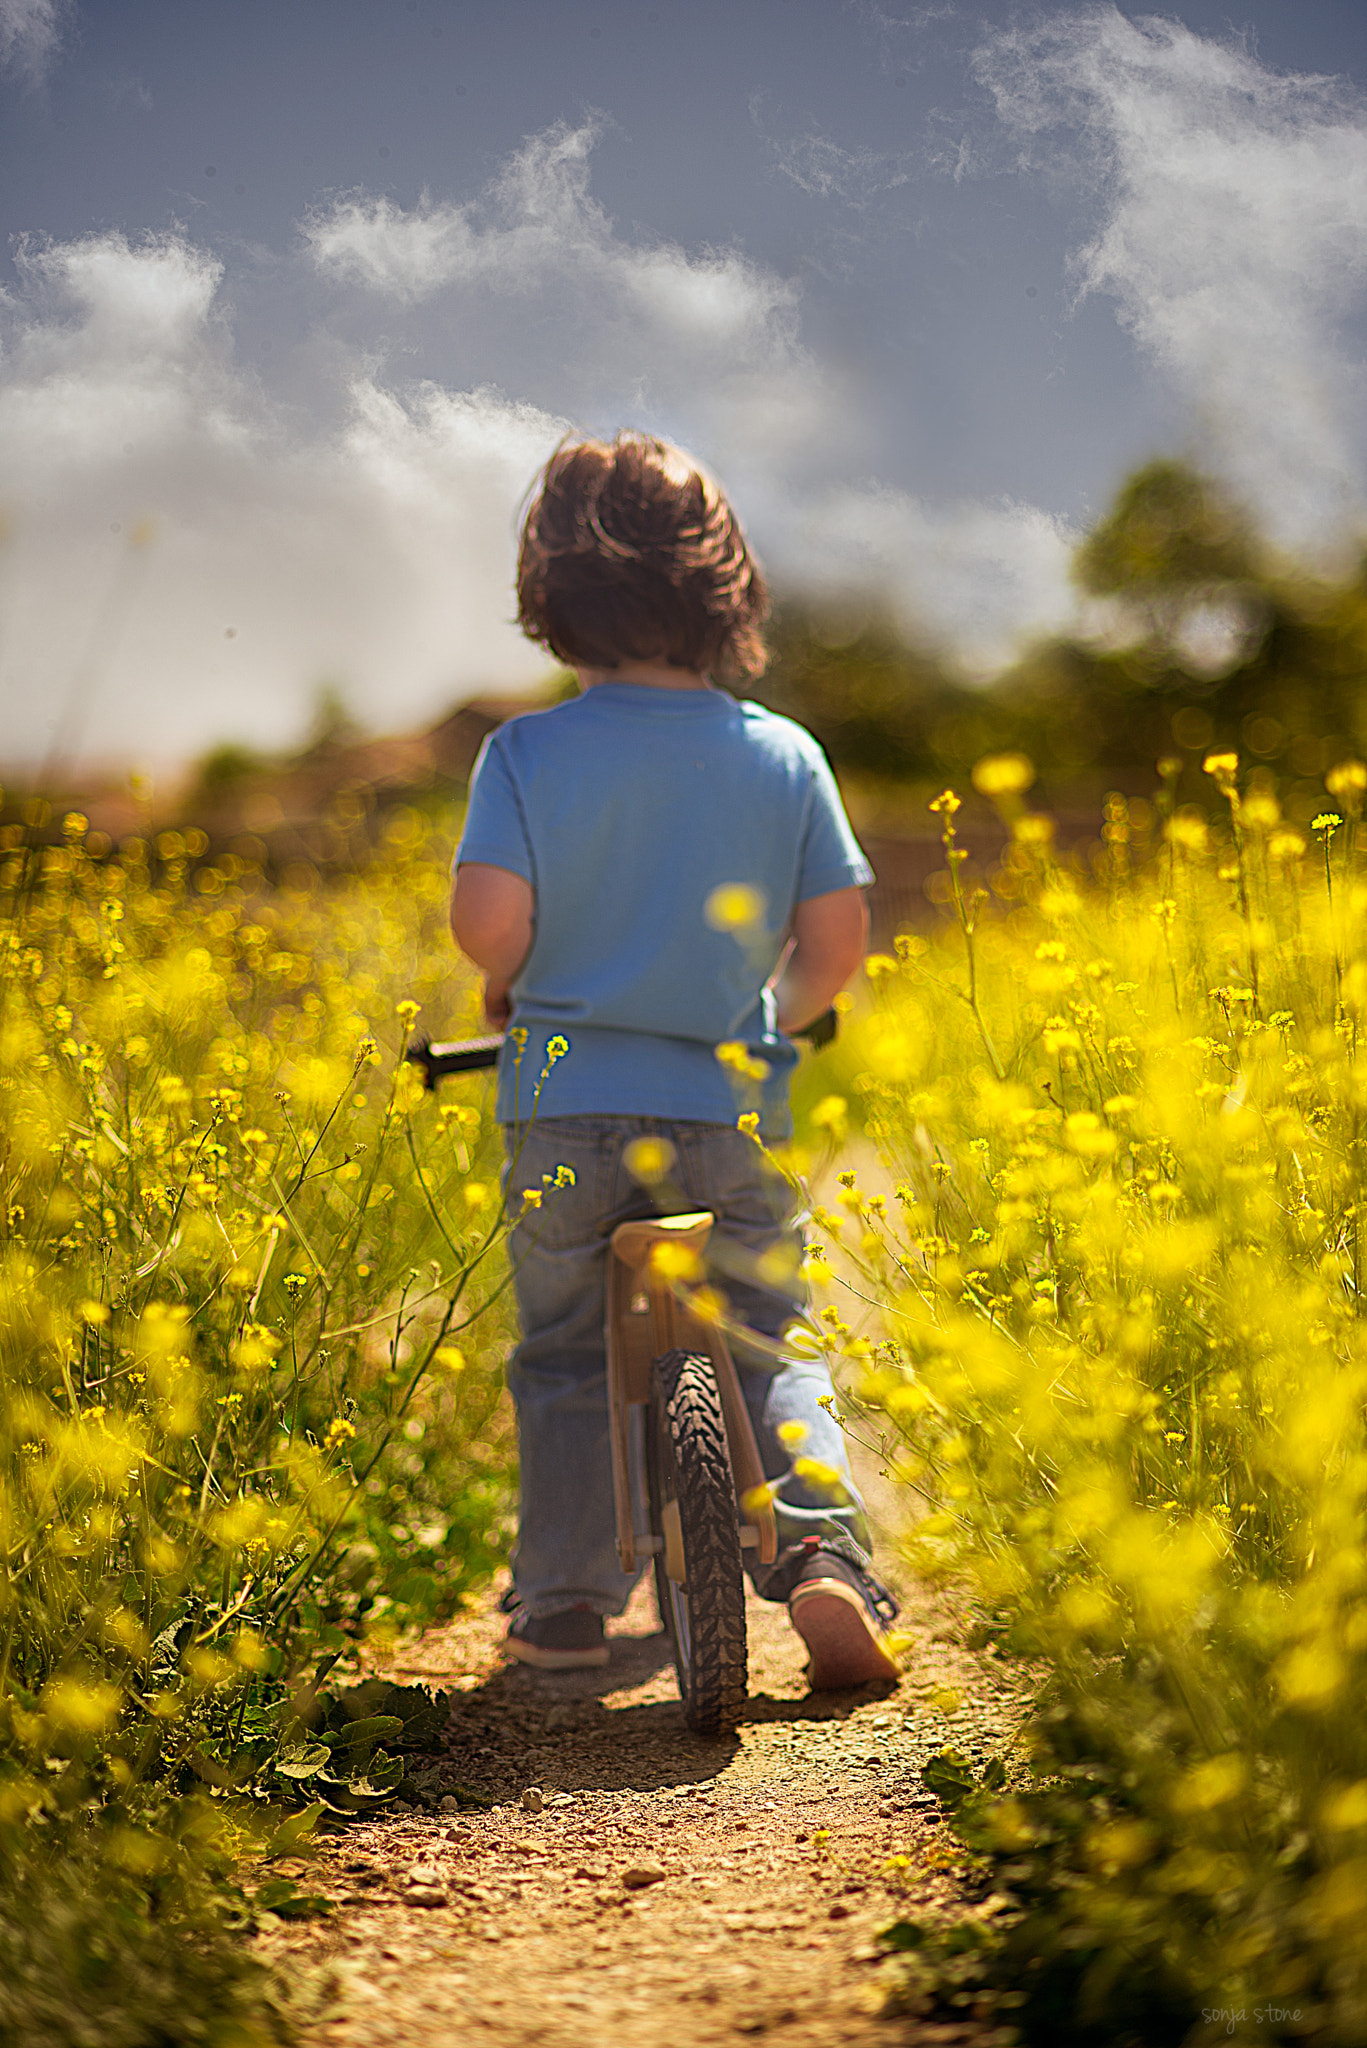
(635, 812)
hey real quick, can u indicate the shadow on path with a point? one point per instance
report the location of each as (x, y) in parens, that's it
(618, 1727)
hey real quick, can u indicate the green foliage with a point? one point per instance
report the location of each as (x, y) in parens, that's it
(1201, 638)
(1168, 531)
(953, 1780)
(220, 772)
(117, 1928)
(877, 704)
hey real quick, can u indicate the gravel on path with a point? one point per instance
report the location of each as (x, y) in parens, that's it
(631, 1881)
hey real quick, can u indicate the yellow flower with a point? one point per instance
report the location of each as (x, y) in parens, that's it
(648, 1160)
(1003, 775)
(832, 1114)
(943, 1699)
(737, 1058)
(822, 1478)
(1034, 829)
(707, 1304)
(1346, 778)
(82, 1706)
(735, 907)
(675, 1262)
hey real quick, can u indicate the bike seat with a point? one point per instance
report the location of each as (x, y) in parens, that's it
(634, 1242)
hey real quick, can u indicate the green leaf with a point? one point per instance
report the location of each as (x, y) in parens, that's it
(376, 1728)
(282, 1895)
(296, 1829)
(994, 1775)
(903, 1935)
(166, 1648)
(383, 1773)
(301, 1764)
(372, 1783)
(950, 1777)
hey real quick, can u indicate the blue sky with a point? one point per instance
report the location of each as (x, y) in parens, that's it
(296, 296)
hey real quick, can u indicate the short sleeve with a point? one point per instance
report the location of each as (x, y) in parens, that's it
(495, 826)
(832, 857)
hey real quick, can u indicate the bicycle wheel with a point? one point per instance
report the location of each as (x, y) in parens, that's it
(698, 1580)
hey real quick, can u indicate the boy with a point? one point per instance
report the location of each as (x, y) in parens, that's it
(634, 862)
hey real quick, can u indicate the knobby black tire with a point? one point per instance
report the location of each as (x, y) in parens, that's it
(687, 1460)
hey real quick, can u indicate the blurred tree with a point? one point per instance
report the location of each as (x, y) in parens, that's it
(1196, 636)
(1168, 531)
(873, 699)
(332, 724)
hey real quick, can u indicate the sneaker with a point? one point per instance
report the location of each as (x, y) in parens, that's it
(568, 1641)
(838, 1608)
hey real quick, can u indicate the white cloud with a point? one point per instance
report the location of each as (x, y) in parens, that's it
(30, 33)
(364, 532)
(1233, 236)
(972, 577)
(378, 553)
(373, 242)
(706, 346)
(823, 169)
(701, 345)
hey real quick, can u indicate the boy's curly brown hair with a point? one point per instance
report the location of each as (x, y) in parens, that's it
(631, 553)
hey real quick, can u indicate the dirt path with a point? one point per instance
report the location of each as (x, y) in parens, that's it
(670, 1892)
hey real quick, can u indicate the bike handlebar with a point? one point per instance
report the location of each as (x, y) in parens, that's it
(469, 1055)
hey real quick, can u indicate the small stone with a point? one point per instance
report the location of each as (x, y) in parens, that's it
(838, 1912)
(449, 1805)
(642, 1874)
(425, 1895)
(533, 1799)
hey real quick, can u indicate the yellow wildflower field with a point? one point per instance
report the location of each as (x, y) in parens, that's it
(251, 1324)
(1118, 1358)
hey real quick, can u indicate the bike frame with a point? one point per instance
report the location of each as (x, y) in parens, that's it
(645, 1319)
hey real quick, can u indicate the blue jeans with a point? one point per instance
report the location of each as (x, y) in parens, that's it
(566, 1553)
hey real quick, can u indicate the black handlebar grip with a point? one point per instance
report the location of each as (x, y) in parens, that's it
(458, 1056)
(821, 1031)
(469, 1055)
